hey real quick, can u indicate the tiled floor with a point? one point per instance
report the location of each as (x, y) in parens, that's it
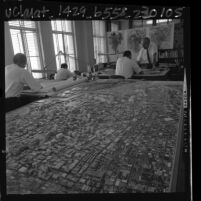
(97, 137)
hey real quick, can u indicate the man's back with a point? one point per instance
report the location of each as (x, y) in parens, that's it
(63, 74)
(15, 78)
(126, 67)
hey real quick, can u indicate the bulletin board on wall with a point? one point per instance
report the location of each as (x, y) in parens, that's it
(165, 36)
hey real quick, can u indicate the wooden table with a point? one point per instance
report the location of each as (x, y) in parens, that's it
(149, 74)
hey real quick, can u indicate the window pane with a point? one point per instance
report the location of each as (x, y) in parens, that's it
(100, 47)
(28, 24)
(14, 23)
(103, 45)
(60, 59)
(163, 20)
(56, 25)
(53, 24)
(67, 25)
(60, 42)
(63, 41)
(25, 41)
(35, 65)
(99, 33)
(37, 75)
(61, 25)
(149, 21)
(102, 28)
(72, 67)
(95, 46)
(95, 27)
(58, 63)
(114, 26)
(98, 28)
(56, 44)
(32, 44)
(63, 59)
(16, 41)
(137, 23)
(68, 42)
(21, 23)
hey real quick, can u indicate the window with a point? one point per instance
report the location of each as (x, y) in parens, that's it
(64, 42)
(149, 21)
(141, 23)
(24, 36)
(137, 23)
(99, 39)
(163, 21)
(114, 26)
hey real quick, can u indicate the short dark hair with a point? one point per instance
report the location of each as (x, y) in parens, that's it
(147, 39)
(19, 59)
(127, 53)
(64, 65)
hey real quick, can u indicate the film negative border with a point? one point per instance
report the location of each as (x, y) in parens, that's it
(80, 11)
(73, 11)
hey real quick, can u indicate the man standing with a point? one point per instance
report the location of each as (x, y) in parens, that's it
(148, 55)
(126, 67)
(15, 79)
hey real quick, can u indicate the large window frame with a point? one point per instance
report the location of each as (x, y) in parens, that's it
(62, 46)
(23, 43)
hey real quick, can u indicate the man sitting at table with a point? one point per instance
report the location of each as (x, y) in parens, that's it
(64, 73)
(147, 57)
(16, 77)
(126, 67)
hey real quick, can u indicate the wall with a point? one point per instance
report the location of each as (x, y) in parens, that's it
(47, 45)
(8, 45)
(84, 41)
(124, 24)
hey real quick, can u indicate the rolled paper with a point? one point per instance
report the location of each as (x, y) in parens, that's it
(51, 87)
(67, 83)
(47, 86)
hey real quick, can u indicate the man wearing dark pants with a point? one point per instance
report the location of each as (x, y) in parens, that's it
(15, 79)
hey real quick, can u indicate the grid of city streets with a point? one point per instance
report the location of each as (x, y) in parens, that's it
(97, 137)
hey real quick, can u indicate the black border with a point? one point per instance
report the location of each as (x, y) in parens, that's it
(150, 196)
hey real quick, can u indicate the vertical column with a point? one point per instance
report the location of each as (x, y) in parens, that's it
(47, 45)
(124, 24)
(84, 42)
(9, 53)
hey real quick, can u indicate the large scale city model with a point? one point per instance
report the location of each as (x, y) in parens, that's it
(105, 136)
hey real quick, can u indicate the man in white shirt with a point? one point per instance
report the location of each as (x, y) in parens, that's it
(126, 67)
(148, 55)
(64, 73)
(15, 79)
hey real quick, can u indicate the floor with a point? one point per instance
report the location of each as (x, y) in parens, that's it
(97, 137)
